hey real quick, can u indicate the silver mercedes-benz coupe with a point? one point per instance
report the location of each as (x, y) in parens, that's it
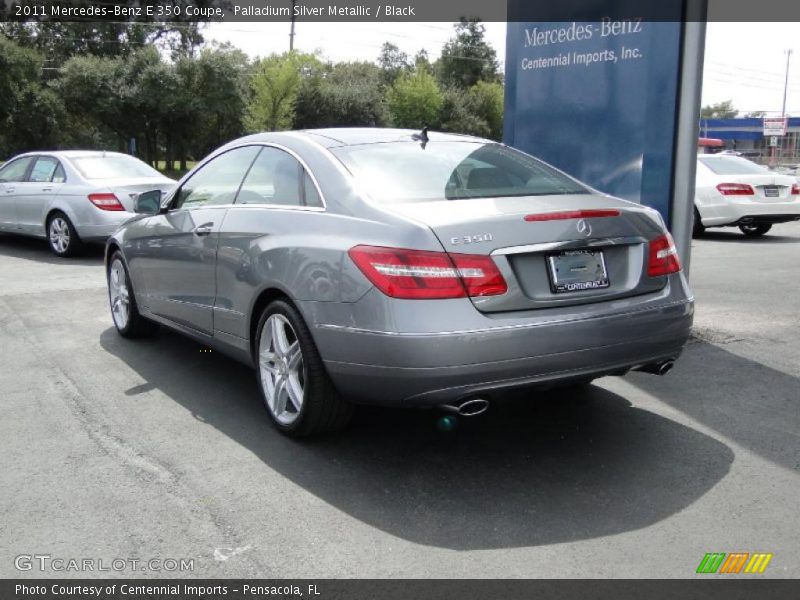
(72, 196)
(409, 269)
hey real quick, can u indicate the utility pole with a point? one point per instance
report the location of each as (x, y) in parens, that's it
(785, 89)
(786, 81)
(291, 33)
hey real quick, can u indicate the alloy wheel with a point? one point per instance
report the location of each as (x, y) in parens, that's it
(118, 294)
(59, 234)
(282, 369)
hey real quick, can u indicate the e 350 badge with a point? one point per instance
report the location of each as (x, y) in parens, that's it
(471, 239)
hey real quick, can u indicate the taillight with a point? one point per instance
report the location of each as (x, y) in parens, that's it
(663, 257)
(106, 201)
(735, 189)
(795, 189)
(420, 274)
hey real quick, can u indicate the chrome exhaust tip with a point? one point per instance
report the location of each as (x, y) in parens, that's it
(468, 408)
(659, 368)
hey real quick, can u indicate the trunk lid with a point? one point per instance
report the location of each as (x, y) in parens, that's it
(126, 190)
(769, 187)
(523, 249)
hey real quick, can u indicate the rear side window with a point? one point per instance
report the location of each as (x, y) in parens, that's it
(43, 169)
(59, 176)
(278, 178)
(732, 165)
(15, 170)
(217, 181)
(113, 166)
(413, 172)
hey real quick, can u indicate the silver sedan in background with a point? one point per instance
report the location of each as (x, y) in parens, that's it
(72, 197)
(399, 268)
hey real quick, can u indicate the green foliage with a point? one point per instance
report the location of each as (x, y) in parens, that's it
(392, 62)
(415, 100)
(341, 95)
(29, 110)
(99, 84)
(467, 58)
(275, 83)
(720, 110)
(487, 100)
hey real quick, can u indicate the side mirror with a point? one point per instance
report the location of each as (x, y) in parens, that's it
(148, 203)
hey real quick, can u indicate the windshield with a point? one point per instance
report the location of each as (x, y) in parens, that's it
(113, 166)
(732, 165)
(411, 172)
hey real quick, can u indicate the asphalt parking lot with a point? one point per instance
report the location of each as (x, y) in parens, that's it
(155, 449)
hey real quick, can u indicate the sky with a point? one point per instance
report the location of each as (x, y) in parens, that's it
(744, 62)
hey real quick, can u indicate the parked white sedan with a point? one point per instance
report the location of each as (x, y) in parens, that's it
(734, 192)
(72, 197)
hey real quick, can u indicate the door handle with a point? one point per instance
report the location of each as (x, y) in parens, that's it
(47, 189)
(203, 229)
(10, 190)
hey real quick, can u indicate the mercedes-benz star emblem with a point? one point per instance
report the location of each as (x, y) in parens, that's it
(584, 228)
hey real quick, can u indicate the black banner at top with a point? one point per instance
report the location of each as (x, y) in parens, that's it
(399, 10)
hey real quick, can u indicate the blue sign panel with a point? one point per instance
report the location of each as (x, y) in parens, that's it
(598, 100)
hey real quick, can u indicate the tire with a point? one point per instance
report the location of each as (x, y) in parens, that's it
(291, 372)
(697, 224)
(755, 230)
(62, 237)
(122, 301)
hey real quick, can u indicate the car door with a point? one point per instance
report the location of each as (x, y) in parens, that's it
(177, 257)
(44, 181)
(11, 175)
(275, 201)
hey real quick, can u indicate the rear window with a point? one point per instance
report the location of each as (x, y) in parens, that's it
(113, 166)
(413, 172)
(732, 165)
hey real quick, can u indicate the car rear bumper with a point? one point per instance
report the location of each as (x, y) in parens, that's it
(734, 212)
(101, 225)
(767, 219)
(435, 367)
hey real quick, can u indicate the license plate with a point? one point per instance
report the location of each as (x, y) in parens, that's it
(771, 191)
(577, 270)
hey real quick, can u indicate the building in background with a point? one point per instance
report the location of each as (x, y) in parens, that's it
(746, 135)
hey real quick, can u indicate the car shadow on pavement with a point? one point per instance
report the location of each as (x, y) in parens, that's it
(747, 402)
(29, 248)
(537, 469)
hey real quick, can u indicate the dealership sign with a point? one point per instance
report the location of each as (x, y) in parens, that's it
(775, 126)
(598, 100)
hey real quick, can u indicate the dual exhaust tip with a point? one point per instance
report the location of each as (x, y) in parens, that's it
(472, 407)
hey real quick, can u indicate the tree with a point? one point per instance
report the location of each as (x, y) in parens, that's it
(458, 114)
(275, 83)
(345, 94)
(30, 112)
(393, 62)
(487, 102)
(219, 83)
(415, 100)
(756, 114)
(468, 58)
(720, 110)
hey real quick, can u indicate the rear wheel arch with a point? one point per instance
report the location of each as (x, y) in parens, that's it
(111, 248)
(264, 299)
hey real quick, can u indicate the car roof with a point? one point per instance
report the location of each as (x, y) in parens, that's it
(350, 136)
(71, 153)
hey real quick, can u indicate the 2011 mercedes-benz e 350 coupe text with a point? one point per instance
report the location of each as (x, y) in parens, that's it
(382, 266)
